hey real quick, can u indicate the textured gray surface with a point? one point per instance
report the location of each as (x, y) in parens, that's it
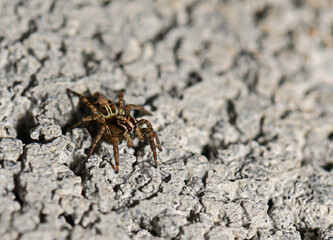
(241, 94)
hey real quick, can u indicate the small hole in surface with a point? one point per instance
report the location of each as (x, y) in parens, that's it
(23, 128)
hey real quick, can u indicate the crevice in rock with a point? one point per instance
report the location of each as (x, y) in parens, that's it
(187, 157)
(232, 114)
(285, 114)
(260, 137)
(330, 136)
(98, 36)
(19, 190)
(209, 151)
(143, 225)
(283, 79)
(291, 40)
(23, 127)
(42, 216)
(261, 133)
(78, 167)
(204, 179)
(33, 79)
(85, 215)
(160, 36)
(160, 190)
(52, 6)
(90, 63)
(32, 83)
(270, 204)
(193, 216)
(251, 79)
(309, 233)
(11, 66)
(116, 188)
(328, 166)
(193, 78)
(175, 51)
(261, 14)
(189, 11)
(106, 3)
(243, 57)
(32, 28)
(174, 93)
(63, 48)
(69, 218)
(298, 3)
(247, 64)
(134, 202)
(167, 178)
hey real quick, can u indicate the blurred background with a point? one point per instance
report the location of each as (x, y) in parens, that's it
(241, 94)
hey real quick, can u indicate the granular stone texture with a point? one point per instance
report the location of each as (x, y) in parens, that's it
(241, 94)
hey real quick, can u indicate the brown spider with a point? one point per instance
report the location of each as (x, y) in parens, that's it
(115, 123)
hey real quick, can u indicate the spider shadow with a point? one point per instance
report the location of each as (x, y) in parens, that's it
(78, 112)
(106, 161)
(78, 166)
(139, 151)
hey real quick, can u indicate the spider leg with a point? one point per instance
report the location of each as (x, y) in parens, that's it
(128, 108)
(96, 139)
(115, 143)
(121, 100)
(157, 141)
(139, 132)
(128, 139)
(152, 136)
(147, 130)
(85, 101)
(103, 103)
(86, 119)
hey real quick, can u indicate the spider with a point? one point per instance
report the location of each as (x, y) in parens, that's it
(116, 124)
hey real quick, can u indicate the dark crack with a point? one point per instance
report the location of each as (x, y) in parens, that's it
(232, 114)
(330, 136)
(261, 14)
(189, 12)
(328, 166)
(210, 151)
(193, 78)
(309, 233)
(19, 190)
(251, 78)
(160, 36)
(52, 6)
(98, 36)
(23, 127)
(90, 63)
(69, 218)
(32, 28)
(175, 51)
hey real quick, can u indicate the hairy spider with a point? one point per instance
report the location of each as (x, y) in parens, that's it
(116, 124)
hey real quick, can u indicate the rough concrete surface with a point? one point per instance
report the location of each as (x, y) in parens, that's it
(242, 99)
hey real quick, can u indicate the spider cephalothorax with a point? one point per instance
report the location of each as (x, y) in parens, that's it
(116, 124)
